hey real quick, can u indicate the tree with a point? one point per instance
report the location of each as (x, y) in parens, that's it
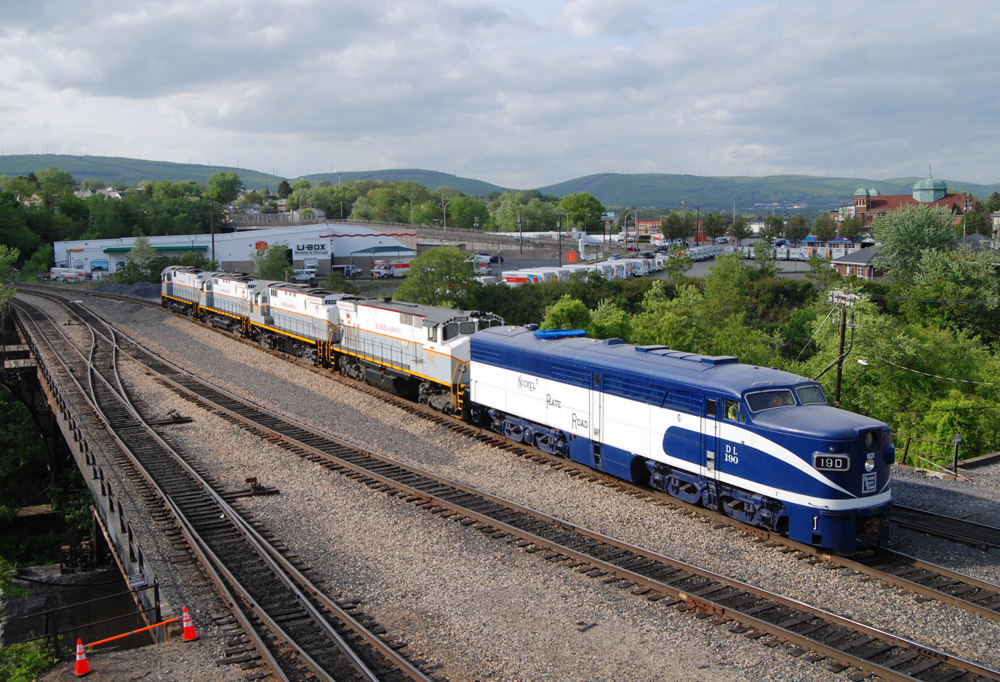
(974, 221)
(93, 183)
(141, 254)
(271, 263)
(59, 179)
(740, 230)
(905, 233)
(583, 210)
(567, 313)
(774, 227)
(301, 185)
(507, 211)
(441, 276)
(677, 262)
(468, 212)
(992, 203)
(823, 228)
(714, 226)
(284, 189)
(224, 187)
(610, 322)
(676, 226)
(8, 257)
(797, 228)
(851, 228)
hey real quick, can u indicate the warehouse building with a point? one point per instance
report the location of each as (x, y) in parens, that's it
(325, 244)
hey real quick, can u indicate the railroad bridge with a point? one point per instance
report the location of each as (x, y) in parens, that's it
(73, 435)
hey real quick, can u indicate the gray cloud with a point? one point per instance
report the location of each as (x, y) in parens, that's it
(517, 95)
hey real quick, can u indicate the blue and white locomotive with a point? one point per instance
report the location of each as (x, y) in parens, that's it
(758, 444)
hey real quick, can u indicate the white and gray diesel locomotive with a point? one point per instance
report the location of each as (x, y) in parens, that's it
(760, 445)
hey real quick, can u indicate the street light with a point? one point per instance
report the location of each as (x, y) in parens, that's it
(444, 215)
(559, 234)
(520, 231)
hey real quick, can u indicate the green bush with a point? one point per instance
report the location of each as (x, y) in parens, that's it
(24, 662)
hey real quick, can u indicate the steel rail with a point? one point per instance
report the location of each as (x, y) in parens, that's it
(373, 640)
(948, 527)
(372, 467)
(922, 577)
(269, 556)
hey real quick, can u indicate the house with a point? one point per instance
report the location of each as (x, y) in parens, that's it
(858, 264)
(977, 242)
(870, 204)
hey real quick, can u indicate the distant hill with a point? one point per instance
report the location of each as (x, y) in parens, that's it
(644, 190)
(128, 171)
(132, 171)
(430, 179)
(655, 190)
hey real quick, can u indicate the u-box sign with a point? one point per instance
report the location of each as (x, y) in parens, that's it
(311, 250)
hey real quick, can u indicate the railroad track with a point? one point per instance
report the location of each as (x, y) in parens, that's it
(948, 527)
(300, 632)
(752, 611)
(923, 578)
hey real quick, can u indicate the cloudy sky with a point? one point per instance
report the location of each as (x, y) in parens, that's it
(522, 93)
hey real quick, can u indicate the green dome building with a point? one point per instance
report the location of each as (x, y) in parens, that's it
(929, 190)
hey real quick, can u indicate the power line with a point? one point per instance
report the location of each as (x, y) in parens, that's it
(938, 376)
(972, 301)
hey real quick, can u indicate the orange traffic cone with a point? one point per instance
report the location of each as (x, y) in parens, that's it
(82, 667)
(189, 634)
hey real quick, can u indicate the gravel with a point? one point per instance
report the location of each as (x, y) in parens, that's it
(139, 290)
(375, 555)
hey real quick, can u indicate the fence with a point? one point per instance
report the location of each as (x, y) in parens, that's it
(50, 620)
(919, 455)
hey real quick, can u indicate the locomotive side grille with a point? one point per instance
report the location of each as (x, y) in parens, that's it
(570, 375)
(683, 401)
(632, 389)
(487, 355)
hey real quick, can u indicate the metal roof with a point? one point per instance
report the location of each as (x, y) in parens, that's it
(431, 314)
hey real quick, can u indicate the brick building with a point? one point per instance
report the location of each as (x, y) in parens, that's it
(870, 204)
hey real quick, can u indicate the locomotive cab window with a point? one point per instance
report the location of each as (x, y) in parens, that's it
(767, 400)
(450, 331)
(467, 328)
(432, 333)
(811, 395)
(734, 411)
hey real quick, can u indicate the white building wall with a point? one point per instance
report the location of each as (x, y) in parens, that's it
(321, 241)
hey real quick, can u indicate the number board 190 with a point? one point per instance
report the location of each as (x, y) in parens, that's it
(831, 462)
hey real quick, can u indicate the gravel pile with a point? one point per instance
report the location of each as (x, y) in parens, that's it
(380, 427)
(140, 290)
(179, 586)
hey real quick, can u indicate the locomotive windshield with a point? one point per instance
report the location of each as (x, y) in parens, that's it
(766, 400)
(811, 395)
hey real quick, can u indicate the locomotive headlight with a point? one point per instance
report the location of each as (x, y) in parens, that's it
(869, 465)
(871, 440)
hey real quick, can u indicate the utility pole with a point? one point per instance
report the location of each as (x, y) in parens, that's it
(211, 224)
(840, 354)
(697, 222)
(520, 231)
(845, 300)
